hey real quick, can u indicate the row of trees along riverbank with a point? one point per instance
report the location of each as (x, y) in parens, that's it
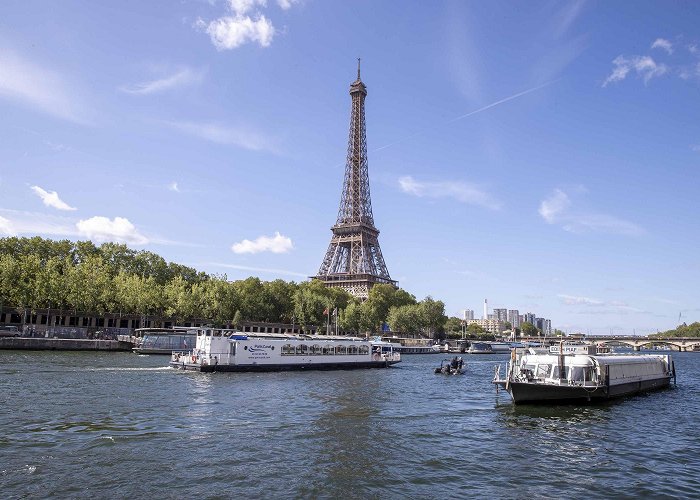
(37, 273)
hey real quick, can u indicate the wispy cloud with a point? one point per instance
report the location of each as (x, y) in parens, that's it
(571, 300)
(644, 66)
(6, 227)
(596, 306)
(182, 77)
(556, 209)
(460, 191)
(567, 15)
(266, 270)
(661, 43)
(242, 137)
(174, 187)
(51, 199)
(118, 229)
(274, 244)
(40, 88)
(287, 4)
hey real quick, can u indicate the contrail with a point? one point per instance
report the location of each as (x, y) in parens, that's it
(488, 106)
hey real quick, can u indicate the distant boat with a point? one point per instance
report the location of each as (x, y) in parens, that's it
(489, 348)
(578, 373)
(164, 340)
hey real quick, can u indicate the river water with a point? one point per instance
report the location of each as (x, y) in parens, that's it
(104, 425)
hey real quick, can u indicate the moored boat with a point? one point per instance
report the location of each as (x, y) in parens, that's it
(229, 350)
(578, 373)
(163, 340)
(488, 348)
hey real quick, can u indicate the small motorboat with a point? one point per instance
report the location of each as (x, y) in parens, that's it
(455, 366)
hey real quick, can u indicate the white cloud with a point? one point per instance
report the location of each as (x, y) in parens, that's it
(274, 244)
(557, 210)
(230, 32)
(38, 87)
(103, 229)
(221, 134)
(6, 227)
(174, 187)
(286, 4)
(460, 191)
(554, 205)
(644, 66)
(181, 78)
(244, 6)
(51, 199)
(661, 43)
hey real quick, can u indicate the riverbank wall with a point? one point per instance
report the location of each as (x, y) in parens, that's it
(50, 344)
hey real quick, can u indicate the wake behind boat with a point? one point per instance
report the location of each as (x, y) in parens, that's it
(233, 351)
(578, 373)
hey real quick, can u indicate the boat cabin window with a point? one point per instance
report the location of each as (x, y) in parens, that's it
(316, 349)
(581, 373)
(543, 371)
(352, 349)
(287, 350)
(364, 349)
(233, 348)
(303, 349)
(341, 349)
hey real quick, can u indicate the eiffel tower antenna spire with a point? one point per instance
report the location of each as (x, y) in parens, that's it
(354, 260)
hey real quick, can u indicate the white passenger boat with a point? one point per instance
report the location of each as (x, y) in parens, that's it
(229, 350)
(570, 373)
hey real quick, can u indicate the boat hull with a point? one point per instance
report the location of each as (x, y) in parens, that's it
(281, 367)
(533, 393)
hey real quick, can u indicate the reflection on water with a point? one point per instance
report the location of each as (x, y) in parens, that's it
(117, 424)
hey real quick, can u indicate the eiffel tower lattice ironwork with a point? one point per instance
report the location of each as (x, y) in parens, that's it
(354, 260)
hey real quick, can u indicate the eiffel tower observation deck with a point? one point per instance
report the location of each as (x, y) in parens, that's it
(354, 261)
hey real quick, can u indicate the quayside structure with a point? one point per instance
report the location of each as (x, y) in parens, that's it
(354, 261)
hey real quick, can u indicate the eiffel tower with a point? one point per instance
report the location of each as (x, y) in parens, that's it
(353, 260)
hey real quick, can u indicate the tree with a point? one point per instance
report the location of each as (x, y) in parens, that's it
(528, 329)
(433, 312)
(453, 327)
(406, 319)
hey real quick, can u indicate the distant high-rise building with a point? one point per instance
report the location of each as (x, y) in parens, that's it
(548, 327)
(486, 309)
(514, 318)
(529, 318)
(539, 323)
(468, 314)
(500, 314)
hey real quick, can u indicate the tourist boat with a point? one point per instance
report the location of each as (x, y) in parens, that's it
(164, 340)
(233, 351)
(579, 373)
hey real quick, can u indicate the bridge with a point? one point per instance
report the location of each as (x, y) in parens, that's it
(636, 343)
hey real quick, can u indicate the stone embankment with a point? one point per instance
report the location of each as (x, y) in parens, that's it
(51, 344)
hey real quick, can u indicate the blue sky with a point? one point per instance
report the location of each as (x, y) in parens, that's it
(543, 155)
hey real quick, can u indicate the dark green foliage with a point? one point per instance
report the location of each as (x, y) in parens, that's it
(37, 273)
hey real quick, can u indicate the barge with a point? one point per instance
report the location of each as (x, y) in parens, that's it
(580, 373)
(219, 350)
